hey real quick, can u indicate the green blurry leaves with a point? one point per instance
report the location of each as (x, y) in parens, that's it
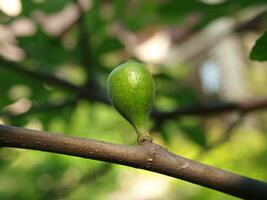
(48, 6)
(47, 50)
(173, 12)
(259, 51)
(192, 128)
(24, 173)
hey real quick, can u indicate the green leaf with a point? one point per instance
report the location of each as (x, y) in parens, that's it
(259, 51)
(192, 128)
(49, 51)
(48, 6)
(168, 129)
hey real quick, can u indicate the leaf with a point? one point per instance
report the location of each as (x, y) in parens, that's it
(167, 129)
(48, 6)
(192, 128)
(259, 51)
(49, 51)
(173, 12)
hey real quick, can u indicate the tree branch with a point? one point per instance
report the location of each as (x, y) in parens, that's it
(84, 42)
(148, 156)
(226, 136)
(212, 108)
(42, 107)
(38, 75)
(84, 39)
(251, 24)
(86, 93)
(83, 92)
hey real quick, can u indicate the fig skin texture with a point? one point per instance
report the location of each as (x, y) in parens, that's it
(131, 90)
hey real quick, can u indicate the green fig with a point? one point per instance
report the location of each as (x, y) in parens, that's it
(131, 90)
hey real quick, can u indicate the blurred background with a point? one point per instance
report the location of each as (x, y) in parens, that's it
(55, 57)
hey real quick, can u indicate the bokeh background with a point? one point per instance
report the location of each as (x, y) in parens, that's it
(56, 56)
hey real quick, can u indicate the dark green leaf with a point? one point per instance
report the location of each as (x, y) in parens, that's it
(259, 51)
(193, 130)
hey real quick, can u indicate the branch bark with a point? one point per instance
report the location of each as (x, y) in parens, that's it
(53, 80)
(148, 156)
(38, 75)
(89, 94)
(42, 107)
(213, 108)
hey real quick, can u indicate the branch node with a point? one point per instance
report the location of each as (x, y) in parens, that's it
(152, 150)
(143, 138)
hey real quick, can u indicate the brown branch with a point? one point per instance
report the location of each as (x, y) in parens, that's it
(42, 107)
(90, 94)
(83, 92)
(148, 156)
(212, 108)
(251, 24)
(84, 39)
(255, 23)
(38, 75)
(226, 136)
(84, 42)
(201, 109)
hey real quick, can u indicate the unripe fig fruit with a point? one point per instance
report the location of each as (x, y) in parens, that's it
(131, 90)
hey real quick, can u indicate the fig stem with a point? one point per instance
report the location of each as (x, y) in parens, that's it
(144, 137)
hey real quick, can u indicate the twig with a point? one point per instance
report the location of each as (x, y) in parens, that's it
(84, 39)
(244, 26)
(38, 75)
(226, 136)
(148, 156)
(212, 108)
(87, 60)
(83, 92)
(252, 24)
(201, 109)
(42, 107)
(90, 94)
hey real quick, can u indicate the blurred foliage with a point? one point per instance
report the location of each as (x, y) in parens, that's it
(29, 102)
